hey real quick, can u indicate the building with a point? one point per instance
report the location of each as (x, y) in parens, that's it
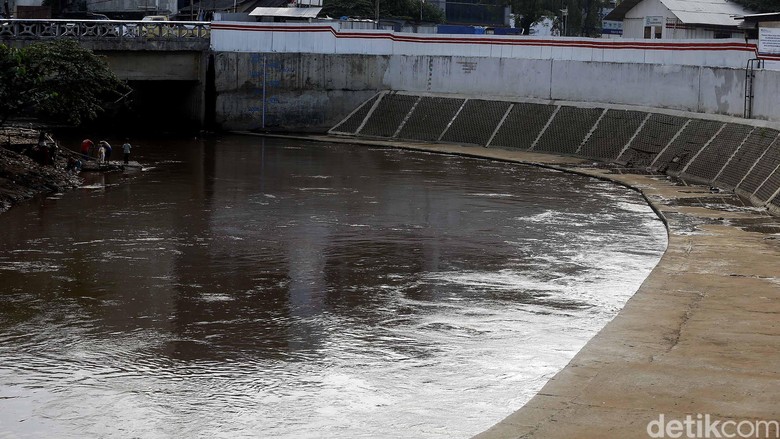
(285, 14)
(475, 12)
(751, 24)
(232, 10)
(678, 19)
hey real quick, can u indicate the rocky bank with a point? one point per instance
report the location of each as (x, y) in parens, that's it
(21, 176)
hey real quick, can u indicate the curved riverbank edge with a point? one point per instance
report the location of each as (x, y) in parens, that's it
(739, 155)
(699, 337)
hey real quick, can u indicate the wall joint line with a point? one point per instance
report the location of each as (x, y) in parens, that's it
(750, 171)
(591, 131)
(733, 154)
(447, 128)
(685, 125)
(544, 128)
(701, 150)
(636, 133)
(406, 118)
(500, 124)
(352, 113)
(370, 113)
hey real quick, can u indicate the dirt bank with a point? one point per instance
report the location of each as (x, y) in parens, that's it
(22, 177)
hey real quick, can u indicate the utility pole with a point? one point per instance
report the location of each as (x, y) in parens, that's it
(376, 5)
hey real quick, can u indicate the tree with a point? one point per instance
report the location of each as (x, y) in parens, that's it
(57, 82)
(533, 10)
(761, 6)
(583, 15)
(348, 8)
(400, 9)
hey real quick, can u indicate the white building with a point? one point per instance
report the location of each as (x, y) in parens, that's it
(678, 19)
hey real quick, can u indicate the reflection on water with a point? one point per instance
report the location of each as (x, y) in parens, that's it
(269, 288)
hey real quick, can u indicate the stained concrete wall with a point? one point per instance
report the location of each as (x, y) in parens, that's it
(731, 153)
(156, 66)
(314, 91)
(327, 71)
(173, 81)
(293, 91)
(330, 39)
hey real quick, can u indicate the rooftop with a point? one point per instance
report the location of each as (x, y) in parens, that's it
(708, 12)
(286, 12)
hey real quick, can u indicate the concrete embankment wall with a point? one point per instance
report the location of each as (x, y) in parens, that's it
(308, 77)
(722, 152)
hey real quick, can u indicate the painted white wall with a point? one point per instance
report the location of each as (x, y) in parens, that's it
(470, 76)
(328, 39)
(665, 86)
(708, 78)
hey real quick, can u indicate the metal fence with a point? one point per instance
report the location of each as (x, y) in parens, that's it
(104, 29)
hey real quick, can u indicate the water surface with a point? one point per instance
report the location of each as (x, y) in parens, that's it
(267, 288)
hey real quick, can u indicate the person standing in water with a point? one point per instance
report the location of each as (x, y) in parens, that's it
(126, 149)
(86, 148)
(101, 154)
(107, 147)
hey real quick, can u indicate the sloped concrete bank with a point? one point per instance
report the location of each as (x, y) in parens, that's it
(699, 340)
(730, 153)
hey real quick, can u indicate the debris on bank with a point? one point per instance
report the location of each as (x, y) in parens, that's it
(32, 164)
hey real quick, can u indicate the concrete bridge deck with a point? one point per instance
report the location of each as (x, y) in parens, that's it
(165, 62)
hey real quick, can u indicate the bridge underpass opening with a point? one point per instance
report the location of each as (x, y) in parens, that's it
(164, 106)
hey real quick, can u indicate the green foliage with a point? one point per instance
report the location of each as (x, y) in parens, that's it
(349, 8)
(532, 11)
(56, 82)
(760, 6)
(15, 83)
(400, 9)
(583, 18)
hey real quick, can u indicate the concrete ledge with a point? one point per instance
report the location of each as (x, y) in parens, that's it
(700, 336)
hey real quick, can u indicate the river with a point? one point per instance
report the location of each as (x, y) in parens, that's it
(250, 287)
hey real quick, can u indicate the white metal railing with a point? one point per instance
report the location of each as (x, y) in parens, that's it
(103, 29)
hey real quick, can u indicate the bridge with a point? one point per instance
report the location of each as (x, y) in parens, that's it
(165, 62)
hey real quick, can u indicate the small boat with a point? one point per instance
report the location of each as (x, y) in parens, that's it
(110, 166)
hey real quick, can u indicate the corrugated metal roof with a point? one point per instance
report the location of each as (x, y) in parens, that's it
(245, 6)
(709, 12)
(286, 12)
(619, 13)
(712, 12)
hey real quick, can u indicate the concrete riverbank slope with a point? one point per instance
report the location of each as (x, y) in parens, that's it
(698, 340)
(731, 154)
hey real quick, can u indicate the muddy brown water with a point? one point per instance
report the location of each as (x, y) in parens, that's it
(249, 287)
